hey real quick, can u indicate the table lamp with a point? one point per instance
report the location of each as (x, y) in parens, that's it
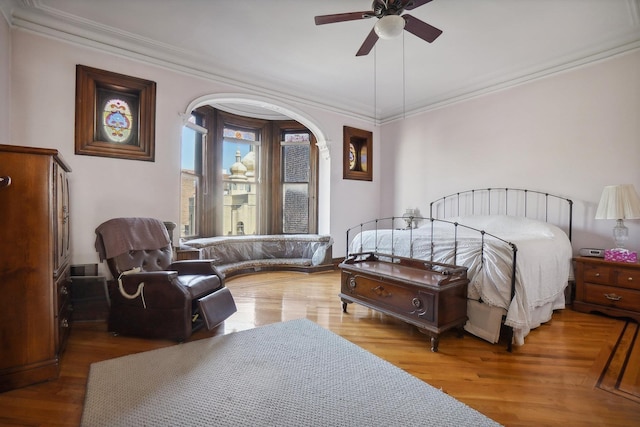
(408, 217)
(619, 202)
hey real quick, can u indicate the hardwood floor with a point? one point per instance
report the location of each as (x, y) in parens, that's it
(550, 381)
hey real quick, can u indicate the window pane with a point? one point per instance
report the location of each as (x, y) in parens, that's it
(295, 158)
(240, 157)
(117, 120)
(188, 149)
(245, 135)
(188, 204)
(117, 117)
(295, 163)
(296, 137)
(191, 178)
(295, 209)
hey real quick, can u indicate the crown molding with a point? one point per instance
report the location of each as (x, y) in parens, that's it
(34, 16)
(509, 81)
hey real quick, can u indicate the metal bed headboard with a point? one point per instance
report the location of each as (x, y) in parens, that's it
(533, 204)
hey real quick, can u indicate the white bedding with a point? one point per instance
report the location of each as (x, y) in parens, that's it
(543, 262)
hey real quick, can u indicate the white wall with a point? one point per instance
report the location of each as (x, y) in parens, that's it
(5, 82)
(562, 134)
(569, 134)
(43, 103)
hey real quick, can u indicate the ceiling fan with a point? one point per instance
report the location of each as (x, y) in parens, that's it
(390, 22)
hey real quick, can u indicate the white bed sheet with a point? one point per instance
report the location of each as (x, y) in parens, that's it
(543, 262)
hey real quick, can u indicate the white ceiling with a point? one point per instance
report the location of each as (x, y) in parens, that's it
(273, 47)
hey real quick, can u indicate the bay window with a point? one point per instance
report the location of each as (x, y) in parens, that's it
(249, 176)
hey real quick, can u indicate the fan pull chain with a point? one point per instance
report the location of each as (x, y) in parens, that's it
(404, 85)
(375, 87)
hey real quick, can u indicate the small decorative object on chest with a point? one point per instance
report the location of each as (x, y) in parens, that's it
(620, 255)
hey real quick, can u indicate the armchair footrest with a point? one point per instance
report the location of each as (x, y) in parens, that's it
(216, 307)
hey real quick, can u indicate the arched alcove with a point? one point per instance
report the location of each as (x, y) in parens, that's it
(259, 107)
(265, 108)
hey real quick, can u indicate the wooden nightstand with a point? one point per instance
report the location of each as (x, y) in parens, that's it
(612, 288)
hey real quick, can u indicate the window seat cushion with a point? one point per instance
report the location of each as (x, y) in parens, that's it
(232, 254)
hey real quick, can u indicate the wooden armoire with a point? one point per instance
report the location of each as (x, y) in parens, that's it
(34, 264)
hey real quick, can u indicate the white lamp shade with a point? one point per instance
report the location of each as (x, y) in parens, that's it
(389, 27)
(619, 202)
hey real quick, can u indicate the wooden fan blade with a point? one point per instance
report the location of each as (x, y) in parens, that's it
(421, 29)
(368, 44)
(415, 3)
(341, 17)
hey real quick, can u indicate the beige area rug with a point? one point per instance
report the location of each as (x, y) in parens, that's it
(294, 373)
(621, 374)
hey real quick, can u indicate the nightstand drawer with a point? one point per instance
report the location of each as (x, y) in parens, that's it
(598, 274)
(612, 297)
(628, 278)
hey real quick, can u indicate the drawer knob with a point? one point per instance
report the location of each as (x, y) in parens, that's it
(630, 279)
(597, 274)
(352, 282)
(612, 297)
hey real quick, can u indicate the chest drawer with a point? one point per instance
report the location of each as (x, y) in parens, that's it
(432, 297)
(391, 296)
(609, 296)
(628, 278)
(598, 274)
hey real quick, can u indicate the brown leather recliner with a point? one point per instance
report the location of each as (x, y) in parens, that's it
(151, 296)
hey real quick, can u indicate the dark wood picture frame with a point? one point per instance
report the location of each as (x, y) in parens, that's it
(357, 157)
(92, 87)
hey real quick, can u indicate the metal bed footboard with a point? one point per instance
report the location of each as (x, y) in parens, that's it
(489, 201)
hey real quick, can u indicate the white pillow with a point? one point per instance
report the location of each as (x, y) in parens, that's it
(507, 225)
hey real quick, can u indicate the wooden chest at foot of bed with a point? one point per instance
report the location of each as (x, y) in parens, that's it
(431, 296)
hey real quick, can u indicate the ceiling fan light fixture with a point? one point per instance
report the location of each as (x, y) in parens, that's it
(389, 27)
